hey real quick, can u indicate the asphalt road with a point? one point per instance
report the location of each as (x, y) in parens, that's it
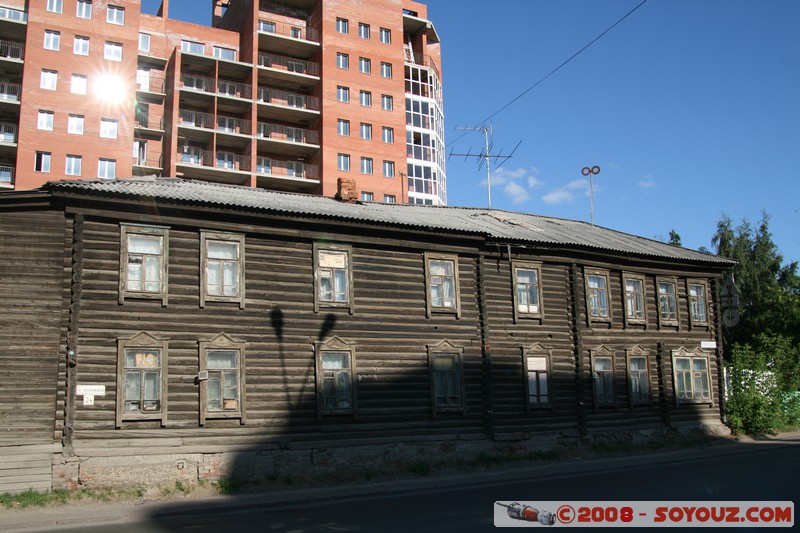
(763, 473)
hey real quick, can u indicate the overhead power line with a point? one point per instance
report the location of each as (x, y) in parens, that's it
(559, 67)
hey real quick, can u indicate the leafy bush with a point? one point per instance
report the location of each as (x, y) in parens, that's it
(790, 408)
(753, 406)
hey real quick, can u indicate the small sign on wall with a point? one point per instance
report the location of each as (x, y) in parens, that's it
(89, 392)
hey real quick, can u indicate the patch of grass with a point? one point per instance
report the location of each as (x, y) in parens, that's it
(226, 486)
(420, 468)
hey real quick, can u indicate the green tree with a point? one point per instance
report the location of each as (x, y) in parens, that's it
(674, 238)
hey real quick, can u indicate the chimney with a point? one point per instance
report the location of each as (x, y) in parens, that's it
(346, 190)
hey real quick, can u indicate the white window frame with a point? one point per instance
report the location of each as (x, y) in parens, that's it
(115, 15)
(75, 124)
(386, 70)
(73, 165)
(55, 6)
(221, 52)
(387, 135)
(193, 47)
(44, 120)
(232, 405)
(639, 378)
(109, 128)
(523, 309)
(386, 36)
(365, 65)
(387, 102)
(388, 169)
(78, 84)
(367, 196)
(342, 25)
(162, 258)
(41, 162)
(366, 165)
(143, 363)
(80, 45)
(343, 127)
(144, 42)
(52, 40)
(697, 304)
(343, 162)
(685, 382)
(537, 370)
(389, 199)
(365, 98)
(595, 296)
(333, 264)
(363, 30)
(438, 283)
(365, 131)
(667, 316)
(635, 300)
(208, 263)
(48, 79)
(112, 51)
(107, 168)
(342, 60)
(83, 9)
(343, 94)
(604, 379)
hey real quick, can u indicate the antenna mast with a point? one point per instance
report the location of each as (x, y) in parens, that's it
(486, 155)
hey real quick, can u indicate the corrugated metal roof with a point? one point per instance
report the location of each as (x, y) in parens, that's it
(492, 224)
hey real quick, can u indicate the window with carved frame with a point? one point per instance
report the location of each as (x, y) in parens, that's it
(141, 378)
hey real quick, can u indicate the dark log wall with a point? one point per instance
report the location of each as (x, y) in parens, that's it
(32, 265)
(388, 327)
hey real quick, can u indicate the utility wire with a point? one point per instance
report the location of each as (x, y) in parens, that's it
(573, 56)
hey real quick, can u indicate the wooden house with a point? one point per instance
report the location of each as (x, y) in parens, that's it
(163, 329)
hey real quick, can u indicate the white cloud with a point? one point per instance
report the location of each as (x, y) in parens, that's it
(534, 182)
(578, 184)
(647, 184)
(515, 183)
(516, 192)
(558, 196)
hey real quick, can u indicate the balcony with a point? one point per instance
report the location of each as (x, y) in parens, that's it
(234, 89)
(12, 50)
(149, 88)
(421, 60)
(294, 39)
(289, 106)
(220, 166)
(286, 175)
(146, 164)
(288, 71)
(14, 15)
(9, 91)
(8, 133)
(287, 140)
(6, 175)
(143, 124)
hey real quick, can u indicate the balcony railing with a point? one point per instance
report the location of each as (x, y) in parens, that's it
(288, 64)
(287, 99)
(286, 133)
(6, 174)
(12, 49)
(233, 125)
(196, 119)
(10, 90)
(288, 169)
(144, 121)
(220, 159)
(8, 132)
(150, 84)
(13, 14)
(421, 59)
(150, 160)
(288, 30)
(199, 83)
(235, 89)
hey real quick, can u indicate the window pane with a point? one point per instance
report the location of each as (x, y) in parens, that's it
(143, 244)
(335, 360)
(220, 359)
(132, 391)
(441, 268)
(602, 363)
(223, 250)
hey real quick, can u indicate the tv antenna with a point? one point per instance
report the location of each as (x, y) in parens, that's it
(486, 155)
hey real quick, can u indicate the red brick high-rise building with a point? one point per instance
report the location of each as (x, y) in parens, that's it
(293, 95)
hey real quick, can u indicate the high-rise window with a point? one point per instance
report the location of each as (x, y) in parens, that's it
(387, 102)
(387, 134)
(80, 46)
(42, 162)
(75, 124)
(48, 79)
(78, 84)
(192, 47)
(224, 53)
(342, 60)
(84, 9)
(45, 120)
(389, 199)
(343, 94)
(144, 42)
(363, 30)
(107, 169)
(108, 128)
(366, 165)
(115, 15)
(365, 97)
(55, 6)
(388, 169)
(342, 25)
(366, 131)
(343, 127)
(343, 162)
(52, 40)
(73, 167)
(367, 196)
(386, 36)
(386, 70)
(112, 51)
(364, 65)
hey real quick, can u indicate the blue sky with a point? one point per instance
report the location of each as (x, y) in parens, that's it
(690, 107)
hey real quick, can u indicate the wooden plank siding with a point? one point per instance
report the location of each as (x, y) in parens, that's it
(32, 244)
